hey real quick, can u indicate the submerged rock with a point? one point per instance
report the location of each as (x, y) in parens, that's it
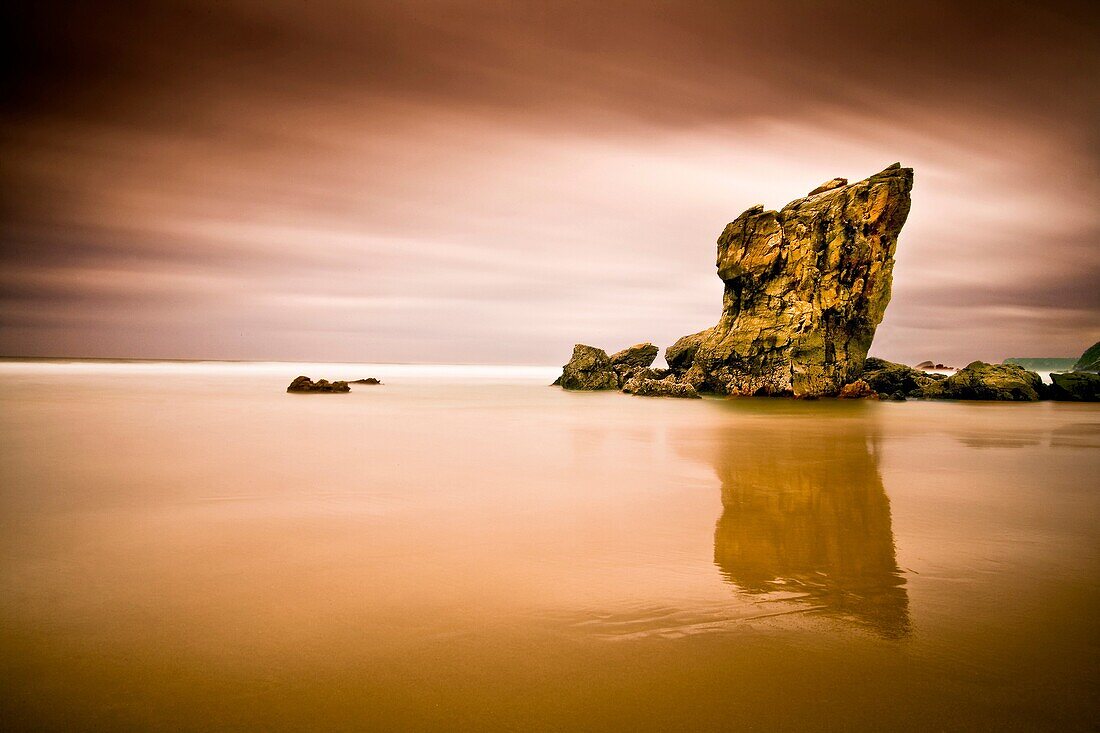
(305, 384)
(1075, 387)
(588, 369)
(368, 380)
(645, 387)
(1090, 360)
(981, 381)
(805, 289)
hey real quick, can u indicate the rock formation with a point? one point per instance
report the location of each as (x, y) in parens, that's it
(368, 380)
(1075, 387)
(981, 381)
(805, 288)
(629, 370)
(589, 368)
(305, 384)
(886, 377)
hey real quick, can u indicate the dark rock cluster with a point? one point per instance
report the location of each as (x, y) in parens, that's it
(305, 384)
(629, 370)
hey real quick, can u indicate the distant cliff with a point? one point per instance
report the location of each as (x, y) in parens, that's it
(1042, 364)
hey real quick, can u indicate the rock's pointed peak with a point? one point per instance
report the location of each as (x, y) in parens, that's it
(829, 186)
(752, 211)
(892, 171)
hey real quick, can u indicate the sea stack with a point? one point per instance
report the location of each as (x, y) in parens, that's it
(805, 289)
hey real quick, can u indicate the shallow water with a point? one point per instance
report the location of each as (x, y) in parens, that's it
(187, 547)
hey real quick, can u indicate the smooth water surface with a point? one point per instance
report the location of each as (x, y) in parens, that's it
(187, 547)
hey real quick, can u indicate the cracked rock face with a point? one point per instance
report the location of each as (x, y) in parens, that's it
(805, 288)
(588, 368)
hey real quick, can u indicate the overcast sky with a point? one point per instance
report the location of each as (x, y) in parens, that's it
(493, 182)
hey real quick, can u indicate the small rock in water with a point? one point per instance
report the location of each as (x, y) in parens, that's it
(305, 384)
(368, 380)
(588, 369)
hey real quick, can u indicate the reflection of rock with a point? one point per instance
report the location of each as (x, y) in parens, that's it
(805, 288)
(805, 513)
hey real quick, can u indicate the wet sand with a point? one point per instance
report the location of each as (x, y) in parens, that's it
(187, 547)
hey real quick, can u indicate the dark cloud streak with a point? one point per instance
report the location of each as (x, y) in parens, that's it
(549, 171)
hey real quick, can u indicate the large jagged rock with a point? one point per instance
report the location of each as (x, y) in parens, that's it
(589, 368)
(981, 381)
(1090, 360)
(805, 288)
(1075, 387)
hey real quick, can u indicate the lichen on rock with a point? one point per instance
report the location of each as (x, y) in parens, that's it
(805, 289)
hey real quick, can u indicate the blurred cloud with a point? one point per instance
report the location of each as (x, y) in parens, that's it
(461, 182)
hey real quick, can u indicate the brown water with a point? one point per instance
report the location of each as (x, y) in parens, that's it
(187, 547)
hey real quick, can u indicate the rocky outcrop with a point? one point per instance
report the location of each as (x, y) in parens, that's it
(646, 387)
(981, 381)
(805, 289)
(588, 369)
(305, 384)
(887, 377)
(1090, 360)
(592, 369)
(368, 380)
(1075, 387)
